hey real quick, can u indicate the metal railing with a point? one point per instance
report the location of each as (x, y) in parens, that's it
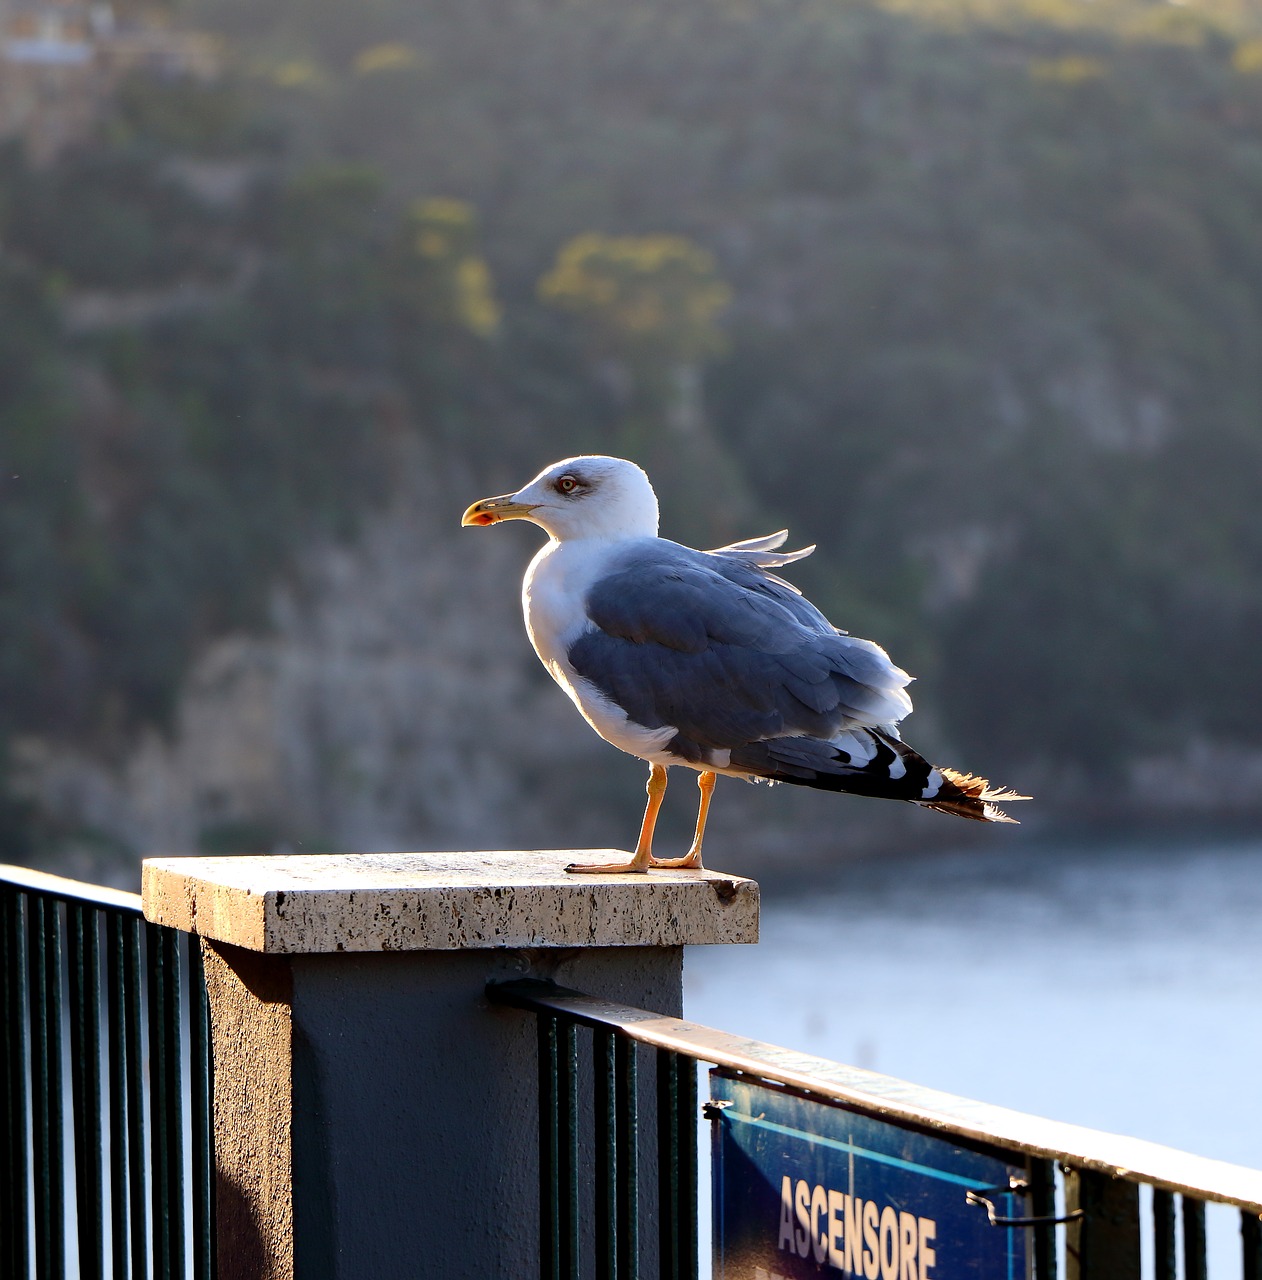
(1100, 1174)
(105, 1133)
(615, 1173)
(105, 1128)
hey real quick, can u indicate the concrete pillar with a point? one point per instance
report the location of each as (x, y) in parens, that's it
(375, 1116)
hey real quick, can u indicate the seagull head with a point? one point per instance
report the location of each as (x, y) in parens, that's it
(587, 497)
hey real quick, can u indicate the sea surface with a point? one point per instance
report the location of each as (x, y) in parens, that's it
(1115, 986)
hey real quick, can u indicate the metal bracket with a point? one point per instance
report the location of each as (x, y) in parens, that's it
(1020, 1187)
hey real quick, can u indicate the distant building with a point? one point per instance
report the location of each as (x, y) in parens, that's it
(60, 61)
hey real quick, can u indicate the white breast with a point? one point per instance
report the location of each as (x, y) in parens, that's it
(553, 595)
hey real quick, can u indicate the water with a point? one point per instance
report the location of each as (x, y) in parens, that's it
(1119, 988)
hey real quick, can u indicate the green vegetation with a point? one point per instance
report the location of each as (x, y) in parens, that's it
(974, 288)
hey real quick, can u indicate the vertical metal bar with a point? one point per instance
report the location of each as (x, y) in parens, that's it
(606, 1141)
(167, 1113)
(1104, 1243)
(628, 1175)
(134, 939)
(1251, 1242)
(172, 1025)
(667, 1165)
(567, 1145)
(15, 1137)
(1043, 1205)
(200, 1069)
(677, 1165)
(686, 1095)
(156, 977)
(1163, 1250)
(549, 1191)
(46, 1085)
(84, 964)
(1193, 1238)
(116, 1059)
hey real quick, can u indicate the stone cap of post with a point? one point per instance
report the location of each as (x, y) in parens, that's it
(308, 903)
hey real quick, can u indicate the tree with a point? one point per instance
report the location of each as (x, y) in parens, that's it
(651, 305)
(438, 274)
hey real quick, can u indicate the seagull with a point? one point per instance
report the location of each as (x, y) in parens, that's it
(708, 659)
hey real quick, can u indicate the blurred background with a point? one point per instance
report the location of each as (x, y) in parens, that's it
(968, 292)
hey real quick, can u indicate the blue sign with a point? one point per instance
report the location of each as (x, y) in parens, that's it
(804, 1187)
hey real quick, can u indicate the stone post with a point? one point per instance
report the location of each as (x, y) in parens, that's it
(375, 1116)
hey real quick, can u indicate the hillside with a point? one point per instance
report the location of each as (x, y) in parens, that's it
(970, 294)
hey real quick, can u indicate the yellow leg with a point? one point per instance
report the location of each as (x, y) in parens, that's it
(643, 859)
(705, 780)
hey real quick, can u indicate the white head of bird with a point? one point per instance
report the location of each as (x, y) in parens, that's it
(585, 497)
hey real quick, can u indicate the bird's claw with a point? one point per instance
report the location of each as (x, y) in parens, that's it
(608, 868)
(637, 866)
(689, 862)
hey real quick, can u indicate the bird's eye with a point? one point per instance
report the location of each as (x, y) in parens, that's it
(567, 484)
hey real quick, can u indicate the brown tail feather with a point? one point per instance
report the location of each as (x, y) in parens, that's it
(968, 796)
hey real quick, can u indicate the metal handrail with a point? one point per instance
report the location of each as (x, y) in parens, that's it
(885, 1096)
(96, 895)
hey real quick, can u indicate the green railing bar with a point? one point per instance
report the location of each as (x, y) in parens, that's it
(1165, 1265)
(1251, 1243)
(549, 1189)
(668, 1147)
(677, 1165)
(116, 1076)
(604, 1095)
(44, 939)
(627, 1182)
(1043, 1205)
(202, 1106)
(134, 1054)
(567, 1147)
(167, 1153)
(1103, 1244)
(173, 1098)
(688, 1208)
(84, 964)
(159, 1135)
(558, 1149)
(1193, 1239)
(14, 1141)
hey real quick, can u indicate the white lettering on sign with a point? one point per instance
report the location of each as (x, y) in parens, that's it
(786, 1212)
(871, 1258)
(803, 1236)
(858, 1237)
(928, 1229)
(819, 1206)
(889, 1243)
(836, 1229)
(854, 1236)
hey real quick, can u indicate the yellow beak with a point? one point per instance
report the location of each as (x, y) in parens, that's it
(492, 510)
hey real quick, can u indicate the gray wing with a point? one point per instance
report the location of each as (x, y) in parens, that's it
(726, 654)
